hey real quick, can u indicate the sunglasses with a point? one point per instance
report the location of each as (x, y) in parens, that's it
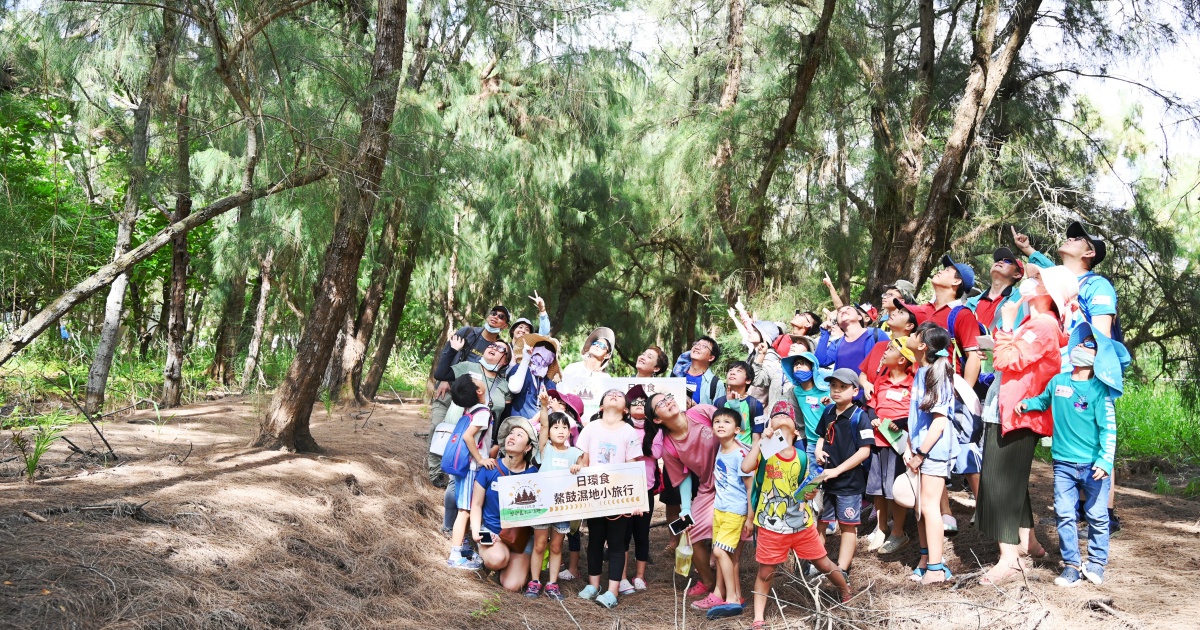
(499, 347)
(500, 314)
(601, 343)
(1090, 344)
(1007, 261)
(669, 398)
(638, 403)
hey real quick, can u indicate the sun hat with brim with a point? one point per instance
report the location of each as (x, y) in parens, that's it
(1075, 230)
(606, 334)
(532, 339)
(844, 375)
(517, 422)
(573, 402)
(907, 290)
(788, 365)
(964, 271)
(1061, 285)
(905, 489)
(769, 331)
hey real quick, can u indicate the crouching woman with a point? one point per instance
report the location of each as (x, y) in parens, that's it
(506, 551)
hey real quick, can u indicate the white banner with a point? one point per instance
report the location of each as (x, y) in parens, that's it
(590, 389)
(556, 497)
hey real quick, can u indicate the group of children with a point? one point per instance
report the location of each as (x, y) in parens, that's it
(835, 444)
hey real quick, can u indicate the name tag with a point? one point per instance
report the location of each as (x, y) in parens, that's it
(812, 400)
(866, 434)
(1102, 300)
(760, 420)
(492, 487)
(1062, 391)
(895, 394)
(1029, 337)
(559, 462)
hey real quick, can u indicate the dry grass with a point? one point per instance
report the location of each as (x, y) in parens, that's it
(200, 532)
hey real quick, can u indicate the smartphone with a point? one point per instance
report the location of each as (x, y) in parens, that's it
(678, 525)
(486, 538)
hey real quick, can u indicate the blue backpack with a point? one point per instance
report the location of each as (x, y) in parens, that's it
(456, 459)
(985, 378)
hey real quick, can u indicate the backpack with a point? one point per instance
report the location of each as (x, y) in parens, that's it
(456, 459)
(968, 413)
(960, 356)
(1117, 333)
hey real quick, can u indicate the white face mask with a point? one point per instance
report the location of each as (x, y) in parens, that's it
(1029, 288)
(490, 328)
(491, 367)
(1080, 357)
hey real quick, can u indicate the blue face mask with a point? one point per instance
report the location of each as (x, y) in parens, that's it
(802, 376)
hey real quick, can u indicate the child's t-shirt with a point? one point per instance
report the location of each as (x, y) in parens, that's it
(487, 478)
(844, 434)
(481, 418)
(919, 421)
(811, 407)
(554, 460)
(1085, 423)
(605, 445)
(778, 509)
(751, 411)
(730, 481)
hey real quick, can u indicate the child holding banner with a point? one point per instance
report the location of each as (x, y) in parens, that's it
(609, 440)
(557, 455)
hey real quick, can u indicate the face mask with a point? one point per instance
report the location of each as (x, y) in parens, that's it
(1029, 288)
(491, 329)
(639, 424)
(802, 376)
(1080, 357)
(539, 362)
(491, 367)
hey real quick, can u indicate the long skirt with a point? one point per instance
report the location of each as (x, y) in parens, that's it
(1003, 504)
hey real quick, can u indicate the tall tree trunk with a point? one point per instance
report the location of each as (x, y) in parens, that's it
(387, 339)
(845, 252)
(177, 323)
(260, 318)
(723, 197)
(229, 325)
(164, 50)
(354, 353)
(286, 422)
(247, 331)
(448, 314)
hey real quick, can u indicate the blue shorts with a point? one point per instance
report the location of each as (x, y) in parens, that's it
(970, 459)
(563, 528)
(463, 487)
(843, 509)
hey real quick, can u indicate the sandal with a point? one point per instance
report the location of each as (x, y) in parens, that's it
(938, 566)
(758, 625)
(1013, 569)
(919, 571)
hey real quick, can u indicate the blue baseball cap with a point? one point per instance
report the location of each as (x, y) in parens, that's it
(964, 271)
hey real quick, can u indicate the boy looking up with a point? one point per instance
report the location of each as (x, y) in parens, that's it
(729, 510)
(784, 519)
(1085, 443)
(749, 409)
(844, 440)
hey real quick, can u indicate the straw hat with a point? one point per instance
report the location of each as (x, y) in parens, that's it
(532, 339)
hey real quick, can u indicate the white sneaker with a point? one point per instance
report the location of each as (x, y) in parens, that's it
(892, 545)
(626, 588)
(875, 540)
(639, 584)
(565, 575)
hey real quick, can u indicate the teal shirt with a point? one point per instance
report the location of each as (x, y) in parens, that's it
(1085, 421)
(811, 408)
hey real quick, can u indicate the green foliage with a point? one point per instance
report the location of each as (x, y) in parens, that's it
(33, 439)
(487, 607)
(1153, 422)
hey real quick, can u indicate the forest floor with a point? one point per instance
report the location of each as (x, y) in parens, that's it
(192, 529)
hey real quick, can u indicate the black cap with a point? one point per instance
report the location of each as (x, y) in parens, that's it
(1003, 253)
(1075, 230)
(504, 309)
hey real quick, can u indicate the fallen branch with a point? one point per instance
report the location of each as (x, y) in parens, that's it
(83, 411)
(34, 516)
(1105, 605)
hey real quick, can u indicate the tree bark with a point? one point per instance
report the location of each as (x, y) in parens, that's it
(286, 423)
(106, 275)
(260, 318)
(164, 50)
(177, 323)
(387, 339)
(354, 353)
(725, 208)
(229, 325)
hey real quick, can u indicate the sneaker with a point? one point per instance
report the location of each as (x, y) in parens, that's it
(1069, 578)
(831, 529)
(893, 544)
(589, 592)
(533, 589)
(875, 540)
(446, 533)
(626, 588)
(639, 584)
(566, 576)
(708, 602)
(1094, 573)
(607, 599)
(553, 593)
(698, 590)
(724, 610)
(813, 571)
(1114, 523)
(469, 564)
(949, 525)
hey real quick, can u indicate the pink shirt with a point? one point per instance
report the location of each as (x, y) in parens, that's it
(697, 452)
(656, 449)
(605, 445)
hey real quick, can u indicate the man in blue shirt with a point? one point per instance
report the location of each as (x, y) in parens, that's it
(695, 365)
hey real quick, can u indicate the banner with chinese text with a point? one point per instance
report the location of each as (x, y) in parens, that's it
(555, 497)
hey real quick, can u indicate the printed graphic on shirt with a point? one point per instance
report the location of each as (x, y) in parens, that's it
(606, 453)
(778, 510)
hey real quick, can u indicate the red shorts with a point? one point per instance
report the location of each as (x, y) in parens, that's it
(773, 548)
